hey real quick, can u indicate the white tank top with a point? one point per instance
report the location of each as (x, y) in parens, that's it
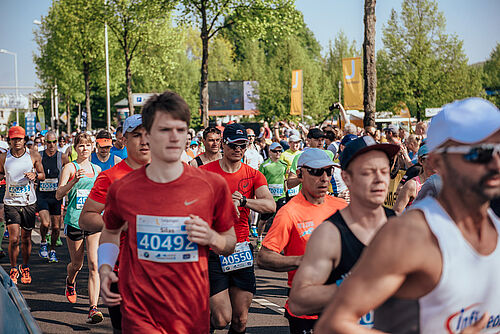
(469, 283)
(19, 191)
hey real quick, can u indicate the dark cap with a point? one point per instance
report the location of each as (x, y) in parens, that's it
(347, 138)
(315, 133)
(362, 145)
(234, 132)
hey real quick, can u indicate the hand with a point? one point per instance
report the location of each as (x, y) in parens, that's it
(477, 326)
(199, 232)
(107, 277)
(237, 196)
(31, 176)
(78, 175)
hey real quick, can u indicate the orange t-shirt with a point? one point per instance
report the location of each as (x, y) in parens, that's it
(293, 225)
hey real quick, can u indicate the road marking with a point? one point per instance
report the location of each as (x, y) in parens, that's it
(267, 304)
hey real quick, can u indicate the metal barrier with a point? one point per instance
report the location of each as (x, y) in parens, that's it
(15, 315)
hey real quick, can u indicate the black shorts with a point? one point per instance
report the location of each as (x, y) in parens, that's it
(24, 216)
(299, 325)
(279, 204)
(220, 281)
(52, 205)
(2, 193)
(76, 234)
(115, 313)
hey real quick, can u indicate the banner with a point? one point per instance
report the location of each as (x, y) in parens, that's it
(353, 83)
(41, 117)
(29, 123)
(13, 101)
(83, 120)
(296, 104)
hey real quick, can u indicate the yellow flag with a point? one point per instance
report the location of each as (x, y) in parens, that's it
(297, 103)
(353, 83)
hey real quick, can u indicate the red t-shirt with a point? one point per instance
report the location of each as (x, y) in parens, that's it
(246, 180)
(293, 225)
(105, 179)
(159, 296)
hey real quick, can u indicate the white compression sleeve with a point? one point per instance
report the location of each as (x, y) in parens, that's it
(107, 253)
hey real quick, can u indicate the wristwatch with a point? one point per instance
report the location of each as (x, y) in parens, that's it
(243, 201)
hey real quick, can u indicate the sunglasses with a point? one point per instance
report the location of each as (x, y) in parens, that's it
(235, 146)
(481, 154)
(277, 151)
(320, 171)
(51, 141)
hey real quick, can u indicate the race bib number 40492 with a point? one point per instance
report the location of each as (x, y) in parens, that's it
(164, 239)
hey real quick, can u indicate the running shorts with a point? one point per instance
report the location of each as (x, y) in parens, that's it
(219, 281)
(115, 313)
(76, 234)
(24, 216)
(52, 205)
(299, 325)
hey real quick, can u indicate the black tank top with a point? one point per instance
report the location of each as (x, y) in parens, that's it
(351, 247)
(198, 161)
(50, 166)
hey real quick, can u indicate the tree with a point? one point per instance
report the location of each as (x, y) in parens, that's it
(212, 16)
(420, 64)
(131, 21)
(369, 65)
(491, 77)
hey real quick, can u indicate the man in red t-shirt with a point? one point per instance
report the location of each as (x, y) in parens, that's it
(163, 280)
(232, 279)
(295, 222)
(134, 138)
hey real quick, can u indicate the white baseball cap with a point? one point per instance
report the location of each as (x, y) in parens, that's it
(465, 121)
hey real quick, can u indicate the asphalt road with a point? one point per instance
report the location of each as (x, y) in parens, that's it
(54, 314)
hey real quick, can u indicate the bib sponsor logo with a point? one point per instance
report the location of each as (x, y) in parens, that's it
(468, 316)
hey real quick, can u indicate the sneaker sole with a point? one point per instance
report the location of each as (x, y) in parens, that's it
(95, 319)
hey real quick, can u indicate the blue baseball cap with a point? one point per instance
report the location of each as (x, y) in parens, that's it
(132, 123)
(274, 146)
(347, 138)
(362, 145)
(423, 150)
(314, 158)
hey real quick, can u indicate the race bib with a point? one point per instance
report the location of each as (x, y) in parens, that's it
(49, 184)
(17, 190)
(81, 197)
(276, 189)
(164, 239)
(242, 257)
(293, 191)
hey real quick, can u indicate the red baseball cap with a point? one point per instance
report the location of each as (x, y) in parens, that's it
(17, 132)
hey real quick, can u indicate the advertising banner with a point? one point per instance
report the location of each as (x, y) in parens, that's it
(353, 83)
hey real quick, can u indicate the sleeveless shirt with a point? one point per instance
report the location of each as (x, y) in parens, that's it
(52, 166)
(20, 191)
(77, 197)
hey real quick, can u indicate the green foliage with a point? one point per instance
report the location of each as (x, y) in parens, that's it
(491, 77)
(420, 64)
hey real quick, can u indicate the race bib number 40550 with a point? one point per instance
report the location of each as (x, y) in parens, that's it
(241, 258)
(164, 239)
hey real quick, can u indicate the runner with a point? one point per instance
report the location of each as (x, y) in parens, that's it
(163, 262)
(211, 141)
(77, 178)
(411, 188)
(4, 147)
(288, 157)
(335, 246)
(274, 170)
(119, 149)
(232, 289)
(252, 156)
(21, 168)
(102, 156)
(442, 255)
(49, 208)
(295, 222)
(134, 139)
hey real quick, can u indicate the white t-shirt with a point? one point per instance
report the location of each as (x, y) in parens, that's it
(253, 157)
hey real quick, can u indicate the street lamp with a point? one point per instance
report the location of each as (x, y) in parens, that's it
(15, 71)
(108, 102)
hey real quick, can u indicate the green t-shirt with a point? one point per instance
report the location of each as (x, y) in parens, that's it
(275, 175)
(288, 156)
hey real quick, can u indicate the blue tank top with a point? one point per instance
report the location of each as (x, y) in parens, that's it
(104, 165)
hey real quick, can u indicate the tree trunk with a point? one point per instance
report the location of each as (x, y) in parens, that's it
(204, 67)
(128, 80)
(86, 76)
(369, 65)
(68, 113)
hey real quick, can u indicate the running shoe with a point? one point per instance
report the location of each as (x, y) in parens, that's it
(253, 231)
(43, 252)
(59, 242)
(95, 316)
(14, 274)
(70, 292)
(53, 257)
(47, 237)
(25, 274)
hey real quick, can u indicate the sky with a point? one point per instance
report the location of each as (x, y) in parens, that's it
(474, 22)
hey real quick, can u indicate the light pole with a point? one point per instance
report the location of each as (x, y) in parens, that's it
(15, 71)
(108, 102)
